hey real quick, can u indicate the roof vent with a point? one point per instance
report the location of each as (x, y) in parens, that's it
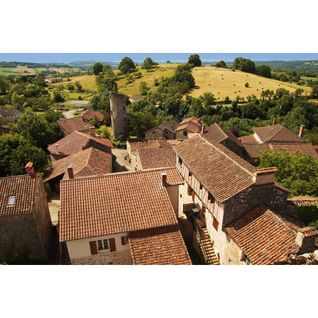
(11, 200)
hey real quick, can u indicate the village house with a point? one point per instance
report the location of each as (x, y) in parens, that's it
(91, 115)
(165, 130)
(241, 215)
(9, 115)
(122, 218)
(188, 127)
(88, 162)
(25, 225)
(70, 125)
(133, 146)
(76, 142)
(276, 138)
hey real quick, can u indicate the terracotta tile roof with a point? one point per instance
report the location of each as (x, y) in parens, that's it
(22, 190)
(92, 114)
(162, 246)
(73, 124)
(115, 203)
(157, 157)
(76, 142)
(263, 236)
(276, 133)
(150, 144)
(215, 134)
(255, 150)
(221, 171)
(190, 126)
(90, 161)
(9, 112)
(170, 125)
(305, 148)
(249, 139)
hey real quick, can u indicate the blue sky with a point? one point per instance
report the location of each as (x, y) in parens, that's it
(139, 57)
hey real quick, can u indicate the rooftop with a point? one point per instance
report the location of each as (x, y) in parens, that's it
(221, 171)
(157, 157)
(264, 236)
(76, 142)
(73, 124)
(94, 206)
(17, 195)
(162, 246)
(90, 161)
(92, 114)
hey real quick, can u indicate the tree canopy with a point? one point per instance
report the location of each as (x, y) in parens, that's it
(194, 60)
(97, 68)
(126, 65)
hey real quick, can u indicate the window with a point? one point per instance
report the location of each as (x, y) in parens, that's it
(102, 245)
(215, 223)
(190, 174)
(185, 133)
(11, 200)
(180, 161)
(201, 186)
(210, 197)
(124, 240)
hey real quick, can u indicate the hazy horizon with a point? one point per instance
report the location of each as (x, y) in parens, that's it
(139, 57)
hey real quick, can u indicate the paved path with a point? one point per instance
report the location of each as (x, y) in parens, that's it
(71, 113)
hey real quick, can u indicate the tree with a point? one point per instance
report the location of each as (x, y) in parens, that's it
(149, 63)
(143, 88)
(97, 68)
(16, 151)
(3, 87)
(57, 97)
(264, 70)
(79, 87)
(221, 64)
(195, 60)
(314, 91)
(140, 122)
(298, 172)
(245, 65)
(126, 65)
(35, 128)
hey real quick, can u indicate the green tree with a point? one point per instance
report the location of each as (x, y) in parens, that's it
(126, 65)
(79, 87)
(35, 128)
(3, 87)
(97, 68)
(143, 88)
(245, 65)
(149, 64)
(140, 122)
(16, 151)
(57, 97)
(264, 70)
(194, 60)
(298, 172)
(221, 64)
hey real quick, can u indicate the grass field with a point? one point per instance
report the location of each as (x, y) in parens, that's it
(225, 82)
(220, 82)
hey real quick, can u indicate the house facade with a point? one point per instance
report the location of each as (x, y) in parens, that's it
(25, 225)
(142, 229)
(220, 188)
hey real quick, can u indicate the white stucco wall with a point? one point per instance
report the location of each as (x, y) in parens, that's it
(81, 248)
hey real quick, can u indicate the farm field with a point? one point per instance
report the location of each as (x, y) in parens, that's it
(225, 82)
(220, 82)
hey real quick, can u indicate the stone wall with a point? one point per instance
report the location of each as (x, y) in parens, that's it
(118, 114)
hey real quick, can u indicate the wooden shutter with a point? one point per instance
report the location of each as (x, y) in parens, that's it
(215, 223)
(93, 247)
(112, 244)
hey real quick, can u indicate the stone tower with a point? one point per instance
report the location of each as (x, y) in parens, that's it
(118, 114)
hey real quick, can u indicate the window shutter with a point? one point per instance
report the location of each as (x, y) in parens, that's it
(215, 223)
(93, 247)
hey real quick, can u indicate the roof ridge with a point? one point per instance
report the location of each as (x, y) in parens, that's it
(282, 127)
(125, 172)
(281, 221)
(238, 164)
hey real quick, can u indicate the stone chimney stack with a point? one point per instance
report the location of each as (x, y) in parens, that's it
(265, 175)
(118, 114)
(30, 169)
(164, 182)
(301, 131)
(70, 171)
(306, 238)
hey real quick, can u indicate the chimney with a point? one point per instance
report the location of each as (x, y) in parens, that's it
(301, 131)
(164, 182)
(265, 175)
(274, 119)
(70, 171)
(30, 169)
(202, 128)
(306, 238)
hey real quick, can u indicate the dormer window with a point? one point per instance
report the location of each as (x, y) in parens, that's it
(11, 200)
